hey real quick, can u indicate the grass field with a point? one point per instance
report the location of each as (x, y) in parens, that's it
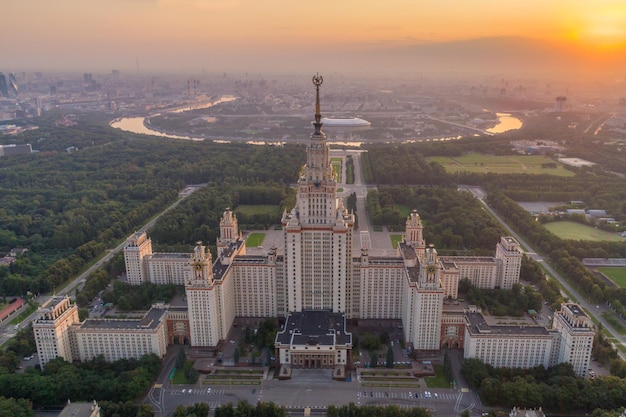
(404, 210)
(439, 380)
(617, 275)
(511, 164)
(336, 163)
(577, 231)
(395, 239)
(255, 239)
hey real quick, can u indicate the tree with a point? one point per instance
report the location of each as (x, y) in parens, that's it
(10, 407)
(389, 358)
(373, 360)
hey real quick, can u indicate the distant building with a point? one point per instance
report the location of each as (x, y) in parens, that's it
(80, 409)
(18, 251)
(10, 310)
(559, 104)
(523, 412)
(13, 149)
(4, 92)
(596, 213)
(7, 260)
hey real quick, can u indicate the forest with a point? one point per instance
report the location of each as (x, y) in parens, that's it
(118, 381)
(557, 389)
(67, 208)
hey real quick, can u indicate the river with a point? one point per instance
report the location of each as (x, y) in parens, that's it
(505, 123)
(138, 124)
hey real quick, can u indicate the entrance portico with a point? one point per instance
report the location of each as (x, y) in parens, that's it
(314, 339)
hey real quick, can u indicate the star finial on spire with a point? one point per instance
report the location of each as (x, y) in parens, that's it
(317, 81)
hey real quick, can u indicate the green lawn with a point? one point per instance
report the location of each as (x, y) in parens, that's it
(252, 209)
(618, 275)
(404, 210)
(336, 163)
(179, 377)
(395, 239)
(439, 380)
(255, 239)
(510, 164)
(577, 231)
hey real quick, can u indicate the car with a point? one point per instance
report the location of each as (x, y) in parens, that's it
(184, 391)
(410, 395)
(436, 395)
(208, 390)
(417, 395)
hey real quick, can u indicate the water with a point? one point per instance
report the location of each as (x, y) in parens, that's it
(137, 124)
(506, 122)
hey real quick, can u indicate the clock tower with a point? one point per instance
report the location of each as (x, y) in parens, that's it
(200, 261)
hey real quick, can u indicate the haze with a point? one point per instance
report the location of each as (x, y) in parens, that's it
(564, 36)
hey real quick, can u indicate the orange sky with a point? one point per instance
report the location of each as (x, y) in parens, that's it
(198, 32)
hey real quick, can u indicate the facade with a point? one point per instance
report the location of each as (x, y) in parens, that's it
(116, 339)
(570, 340)
(138, 246)
(509, 259)
(158, 268)
(314, 339)
(507, 346)
(79, 409)
(59, 333)
(53, 331)
(575, 341)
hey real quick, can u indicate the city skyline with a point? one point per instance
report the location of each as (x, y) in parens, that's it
(216, 35)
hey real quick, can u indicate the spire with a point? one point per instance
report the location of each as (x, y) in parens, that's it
(317, 81)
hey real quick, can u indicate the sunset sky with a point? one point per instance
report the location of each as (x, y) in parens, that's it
(224, 34)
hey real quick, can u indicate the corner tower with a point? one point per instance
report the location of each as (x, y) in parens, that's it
(317, 232)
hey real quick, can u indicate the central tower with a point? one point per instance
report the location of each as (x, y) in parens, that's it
(318, 232)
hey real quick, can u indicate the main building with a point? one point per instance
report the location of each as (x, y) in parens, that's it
(314, 277)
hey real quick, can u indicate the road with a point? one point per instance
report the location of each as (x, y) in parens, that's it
(44, 300)
(379, 243)
(312, 388)
(592, 309)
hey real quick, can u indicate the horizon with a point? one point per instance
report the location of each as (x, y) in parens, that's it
(151, 36)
